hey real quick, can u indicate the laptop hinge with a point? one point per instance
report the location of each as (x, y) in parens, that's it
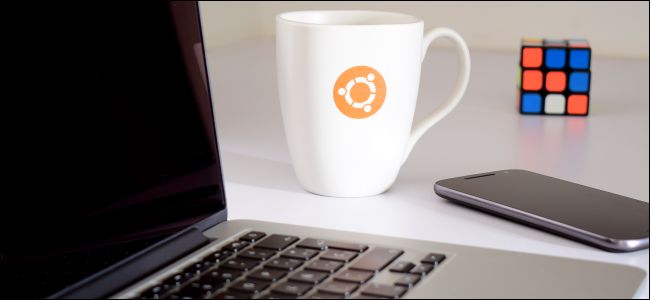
(211, 221)
(126, 272)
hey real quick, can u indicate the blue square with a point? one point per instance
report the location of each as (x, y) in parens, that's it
(555, 58)
(579, 59)
(579, 82)
(531, 103)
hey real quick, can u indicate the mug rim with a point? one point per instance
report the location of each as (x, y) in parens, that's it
(292, 17)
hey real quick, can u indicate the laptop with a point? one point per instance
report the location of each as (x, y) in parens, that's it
(124, 195)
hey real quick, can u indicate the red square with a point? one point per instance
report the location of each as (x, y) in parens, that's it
(578, 105)
(532, 80)
(531, 57)
(555, 81)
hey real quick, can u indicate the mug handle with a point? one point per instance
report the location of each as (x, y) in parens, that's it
(461, 84)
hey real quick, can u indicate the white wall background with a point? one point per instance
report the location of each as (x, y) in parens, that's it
(616, 29)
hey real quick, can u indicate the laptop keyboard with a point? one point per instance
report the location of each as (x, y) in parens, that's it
(283, 266)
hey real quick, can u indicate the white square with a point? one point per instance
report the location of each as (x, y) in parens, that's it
(554, 104)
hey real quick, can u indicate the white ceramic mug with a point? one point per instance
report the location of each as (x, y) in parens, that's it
(348, 84)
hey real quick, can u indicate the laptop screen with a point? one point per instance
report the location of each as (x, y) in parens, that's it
(123, 152)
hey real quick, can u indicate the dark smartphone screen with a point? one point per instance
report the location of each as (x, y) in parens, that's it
(589, 209)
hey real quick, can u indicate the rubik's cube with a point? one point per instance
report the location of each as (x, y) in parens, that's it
(554, 77)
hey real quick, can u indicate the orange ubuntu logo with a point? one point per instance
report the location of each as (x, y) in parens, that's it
(359, 92)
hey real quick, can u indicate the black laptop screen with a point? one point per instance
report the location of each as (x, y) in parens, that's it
(122, 149)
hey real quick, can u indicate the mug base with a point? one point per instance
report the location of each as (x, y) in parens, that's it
(338, 194)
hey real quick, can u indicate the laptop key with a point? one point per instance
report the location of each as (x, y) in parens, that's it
(236, 246)
(268, 274)
(277, 242)
(402, 267)
(197, 290)
(422, 269)
(328, 266)
(354, 276)
(347, 246)
(338, 288)
(339, 255)
(199, 267)
(288, 264)
(241, 264)
(320, 245)
(229, 275)
(250, 286)
(315, 244)
(156, 292)
(299, 253)
(326, 296)
(217, 256)
(383, 290)
(232, 295)
(295, 289)
(178, 279)
(376, 259)
(408, 280)
(253, 236)
(256, 253)
(433, 258)
(220, 277)
(307, 276)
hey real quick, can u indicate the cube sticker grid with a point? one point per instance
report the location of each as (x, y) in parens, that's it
(554, 77)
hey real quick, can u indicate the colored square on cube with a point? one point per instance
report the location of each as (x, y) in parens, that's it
(531, 103)
(579, 82)
(532, 80)
(579, 58)
(554, 104)
(554, 76)
(555, 58)
(555, 81)
(578, 105)
(531, 57)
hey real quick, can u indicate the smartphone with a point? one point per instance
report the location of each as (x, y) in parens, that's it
(605, 220)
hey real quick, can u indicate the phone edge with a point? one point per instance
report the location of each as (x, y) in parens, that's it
(576, 234)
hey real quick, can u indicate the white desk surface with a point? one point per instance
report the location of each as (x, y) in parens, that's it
(607, 150)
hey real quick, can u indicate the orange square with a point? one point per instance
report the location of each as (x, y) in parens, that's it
(578, 105)
(531, 57)
(555, 81)
(532, 80)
